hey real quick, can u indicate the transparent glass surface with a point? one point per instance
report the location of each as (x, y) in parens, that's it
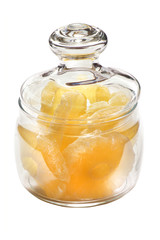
(78, 135)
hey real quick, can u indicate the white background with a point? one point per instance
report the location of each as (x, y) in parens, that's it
(133, 29)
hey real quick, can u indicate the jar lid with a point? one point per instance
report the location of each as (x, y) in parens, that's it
(79, 88)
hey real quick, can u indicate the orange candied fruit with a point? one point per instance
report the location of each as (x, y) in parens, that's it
(91, 161)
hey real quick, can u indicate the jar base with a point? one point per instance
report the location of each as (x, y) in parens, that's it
(82, 203)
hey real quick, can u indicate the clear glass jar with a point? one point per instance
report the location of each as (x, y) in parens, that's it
(78, 137)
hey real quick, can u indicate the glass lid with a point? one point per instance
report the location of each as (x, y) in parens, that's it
(79, 88)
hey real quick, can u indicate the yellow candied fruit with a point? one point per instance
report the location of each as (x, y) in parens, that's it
(102, 94)
(30, 165)
(95, 93)
(33, 162)
(58, 96)
(118, 177)
(100, 114)
(118, 99)
(49, 149)
(51, 97)
(62, 102)
(94, 107)
(52, 156)
(28, 136)
(48, 97)
(72, 105)
(54, 189)
(131, 132)
(110, 112)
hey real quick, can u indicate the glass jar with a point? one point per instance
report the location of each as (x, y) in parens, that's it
(78, 137)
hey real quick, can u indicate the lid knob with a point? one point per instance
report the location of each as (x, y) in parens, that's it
(78, 40)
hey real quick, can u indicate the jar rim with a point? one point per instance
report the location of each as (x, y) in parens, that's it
(126, 111)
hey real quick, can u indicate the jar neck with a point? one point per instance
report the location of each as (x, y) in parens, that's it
(79, 62)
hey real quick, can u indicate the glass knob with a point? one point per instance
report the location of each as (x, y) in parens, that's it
(78, 40)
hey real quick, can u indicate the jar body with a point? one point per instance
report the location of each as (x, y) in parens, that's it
(78, 164)
(78, 136)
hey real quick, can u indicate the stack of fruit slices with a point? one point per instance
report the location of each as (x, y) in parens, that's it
(82, 161)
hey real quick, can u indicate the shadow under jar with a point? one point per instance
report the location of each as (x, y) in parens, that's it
(78, 136)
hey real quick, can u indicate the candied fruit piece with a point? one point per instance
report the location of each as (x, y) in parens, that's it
(51, 97)
(63, 108)
(118, 177)
(131, 132)
(91, 160)
(100, 170)
(52, 156)
(44, 162)
(48, 97)
(82, 187)
(28, 136)
(97, 93)
(72, 105)
(102, 94)
(27, 152)
(86, 152)
(30, 165)
(101, 110)
(58, 96)
(94, 107)
(110, 112)
(44, 174)
(119, 99)
(54, 189)
(69, 136)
